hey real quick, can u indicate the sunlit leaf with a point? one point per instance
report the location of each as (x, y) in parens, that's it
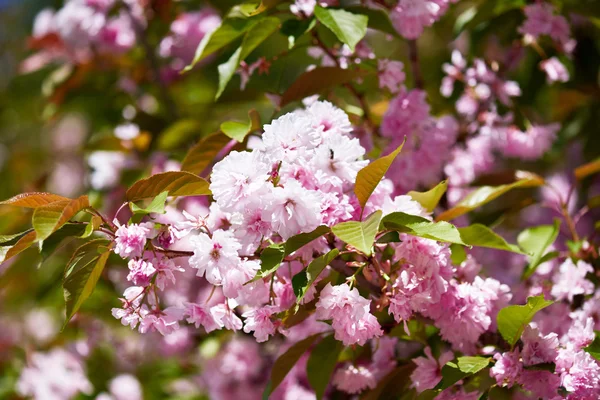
(33, 199)
(430, 199)
(348, 27)
(369, 177)
(177, 183)
(512, 320)
(202, 154)
(472, 365)
(239, 130)
(321, 364)
(228, 31)
(588, 169)
(318, 80)
(535, 241)
(422, 227)
(485, 194)
(49, 218)
(359, 234)
(23, 243)
(156, 206)
(481, 236)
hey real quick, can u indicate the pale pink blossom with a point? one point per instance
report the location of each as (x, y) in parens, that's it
(391, 75)
(225, 316)
(351, 379)
(295, 209)
(537, 348)
(570, 280)
(214, 256)
(555, 70)
(429, 370)
(199, 314)
(352, 321)
(165, 321)
(130, 240)
(140, 272)
(507, 368)
(259, 321)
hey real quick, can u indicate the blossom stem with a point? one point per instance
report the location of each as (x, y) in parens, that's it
(413, 55)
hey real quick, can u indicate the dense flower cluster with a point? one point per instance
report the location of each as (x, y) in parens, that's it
(244, 277)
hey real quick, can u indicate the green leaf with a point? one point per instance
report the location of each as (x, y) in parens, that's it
(257, 34)
(53, 242)
(348, 27)
(284, 364)
(594, 347)
(293, 29)
(239, 130)
(451, 374)
(359, 234)
(270, 259)
(481, 236)
(272, 256)
(422, 227)
(458, 254)
(472, 365)
(157, 206)
(390, 237)
(50, 217)
(297, 241)
(303, 280)
(430, 199)
(10, 240)
(23, 242)
(94, 224)
(318, 80)
(378, 19)
(33, 199)
(80, 283)
(512, 320)
(236, 130)
(485, 194)
(179, 133)
(535, 241)
(391, 385)
(321, 364)
(227, 70)
(229, 30)
(202, 154)
(177, 183)
(369, 177)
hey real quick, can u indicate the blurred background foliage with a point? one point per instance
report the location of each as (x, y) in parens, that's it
(51, 118)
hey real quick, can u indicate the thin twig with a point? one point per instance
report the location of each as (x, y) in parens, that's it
(413, 55)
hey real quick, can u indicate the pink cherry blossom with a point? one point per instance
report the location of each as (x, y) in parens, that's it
(507, 368)
(429, 370)
(198, 315)
(130, 240)
(555, 70)
(351, 379)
